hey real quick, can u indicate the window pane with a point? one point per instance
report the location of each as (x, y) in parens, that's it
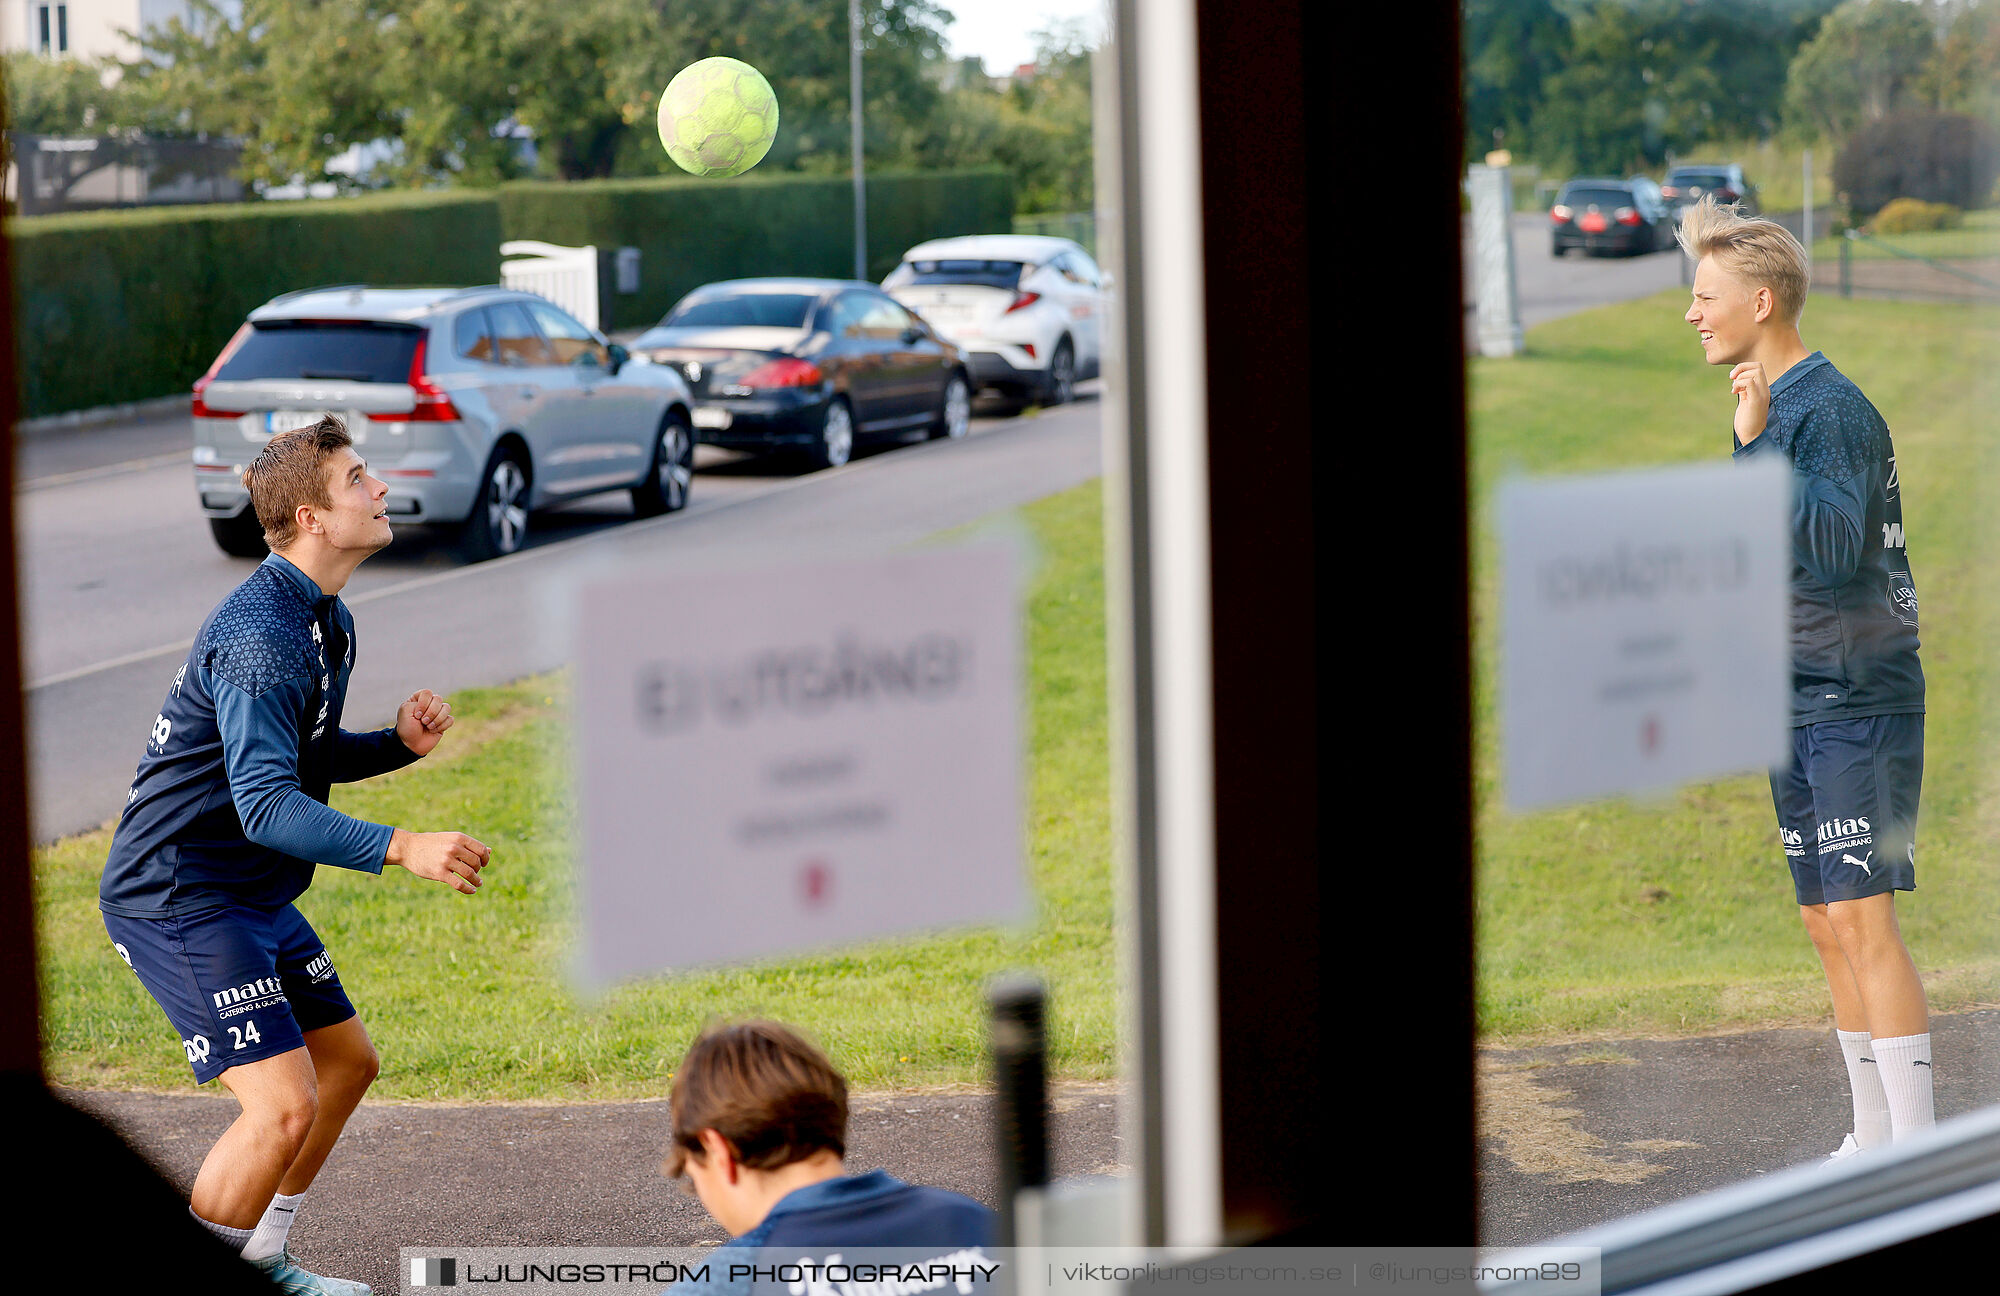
(473, 337)
(515, 338)
(767, 310)
(343, 351)
(568, 336)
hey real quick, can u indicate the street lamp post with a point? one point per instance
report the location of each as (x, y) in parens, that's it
(854, 98)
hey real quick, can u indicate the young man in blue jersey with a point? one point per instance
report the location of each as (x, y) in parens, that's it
(760, 1128)
(1847, 802)
(224, 824)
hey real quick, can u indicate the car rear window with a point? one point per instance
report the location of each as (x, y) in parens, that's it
(1706, 179)
(990, 274)
(766, 310)
(337, 350)
(1600, 197)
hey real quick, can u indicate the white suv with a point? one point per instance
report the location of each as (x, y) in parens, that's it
(1026, 310)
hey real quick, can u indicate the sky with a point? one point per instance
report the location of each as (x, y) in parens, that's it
(1001, 32)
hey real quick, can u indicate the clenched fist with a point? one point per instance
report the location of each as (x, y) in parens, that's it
(422, 720)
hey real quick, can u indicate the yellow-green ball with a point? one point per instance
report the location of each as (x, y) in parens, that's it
(718, 117)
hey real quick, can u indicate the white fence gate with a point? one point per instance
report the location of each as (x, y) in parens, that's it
(566, 276)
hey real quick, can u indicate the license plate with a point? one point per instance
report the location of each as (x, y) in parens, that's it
(707, 416)
(277, 421)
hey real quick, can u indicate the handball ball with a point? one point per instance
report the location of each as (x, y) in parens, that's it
(718, 117)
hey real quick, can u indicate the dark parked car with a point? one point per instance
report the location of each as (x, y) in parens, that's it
(1606, 215)
(1688, 182)
(810, 365)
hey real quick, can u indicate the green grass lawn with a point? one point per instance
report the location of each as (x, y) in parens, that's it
(1977, 239)
(1612, 918)
(467, 997)
(1622, 918)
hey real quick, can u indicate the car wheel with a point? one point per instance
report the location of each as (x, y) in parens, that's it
(240, 536)
(955, 415)
(665, 489)
(836, 436)
(499, 522)
(1059, 388)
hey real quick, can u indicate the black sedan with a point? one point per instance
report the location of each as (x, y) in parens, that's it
(809, 365)
(1610, 216)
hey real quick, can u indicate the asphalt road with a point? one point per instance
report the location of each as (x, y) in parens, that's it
(1550, 287)
(584, 1176)
(118, 569)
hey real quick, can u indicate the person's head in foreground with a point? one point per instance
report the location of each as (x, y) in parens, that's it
(1750, 284)
(757, 1112)
(313, 495)
(760, 1127)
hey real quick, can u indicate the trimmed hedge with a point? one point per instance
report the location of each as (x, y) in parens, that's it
(691, 232)
(120, 306)
(128, 305)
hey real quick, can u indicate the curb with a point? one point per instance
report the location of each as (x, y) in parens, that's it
(98, 415)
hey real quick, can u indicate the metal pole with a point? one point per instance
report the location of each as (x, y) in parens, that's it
(854, 108)
(1021, 1101)
(1808, 240)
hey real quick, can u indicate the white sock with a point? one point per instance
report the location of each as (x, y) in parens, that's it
(1864, 1078)
(269, 1239)
(235, 1237)
(1905, 1064)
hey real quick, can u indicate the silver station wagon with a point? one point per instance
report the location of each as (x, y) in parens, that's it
(475, 405)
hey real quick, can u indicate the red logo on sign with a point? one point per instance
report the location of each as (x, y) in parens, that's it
(816, 882)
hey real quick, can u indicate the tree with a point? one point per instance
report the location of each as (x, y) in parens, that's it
(1509, 49)
(1964, 74)
(441, 80)
(1937, 157)
(1865, 61)
(1612, 85)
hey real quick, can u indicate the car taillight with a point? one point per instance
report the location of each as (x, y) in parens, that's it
(433, 403)
(1626, 216)
(786, 371)
(1560, 214)
(200, 408)
(1021, 299)
(1725, 195)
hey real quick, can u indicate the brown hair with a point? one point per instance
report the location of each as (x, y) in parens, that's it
(1762, 253)
(760, 1085)
(291, 471)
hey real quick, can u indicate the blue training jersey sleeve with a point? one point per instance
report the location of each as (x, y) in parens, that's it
(260, 750)
(1827, 521)
(358, 756)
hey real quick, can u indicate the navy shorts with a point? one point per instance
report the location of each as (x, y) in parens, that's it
(1847, 806)
(239, 984)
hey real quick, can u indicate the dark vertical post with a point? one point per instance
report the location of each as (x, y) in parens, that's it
(1021, 1097)
(1286, 478)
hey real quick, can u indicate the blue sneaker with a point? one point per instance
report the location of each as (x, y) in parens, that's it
(294, 1281)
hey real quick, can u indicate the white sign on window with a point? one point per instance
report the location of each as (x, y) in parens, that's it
(1647, 629)
(783, 759)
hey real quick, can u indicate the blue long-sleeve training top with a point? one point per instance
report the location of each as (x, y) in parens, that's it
(229, 804)
(1854, 603)
(859, 1220)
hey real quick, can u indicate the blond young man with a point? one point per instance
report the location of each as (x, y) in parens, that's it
(224, 824)
(1847, 803)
